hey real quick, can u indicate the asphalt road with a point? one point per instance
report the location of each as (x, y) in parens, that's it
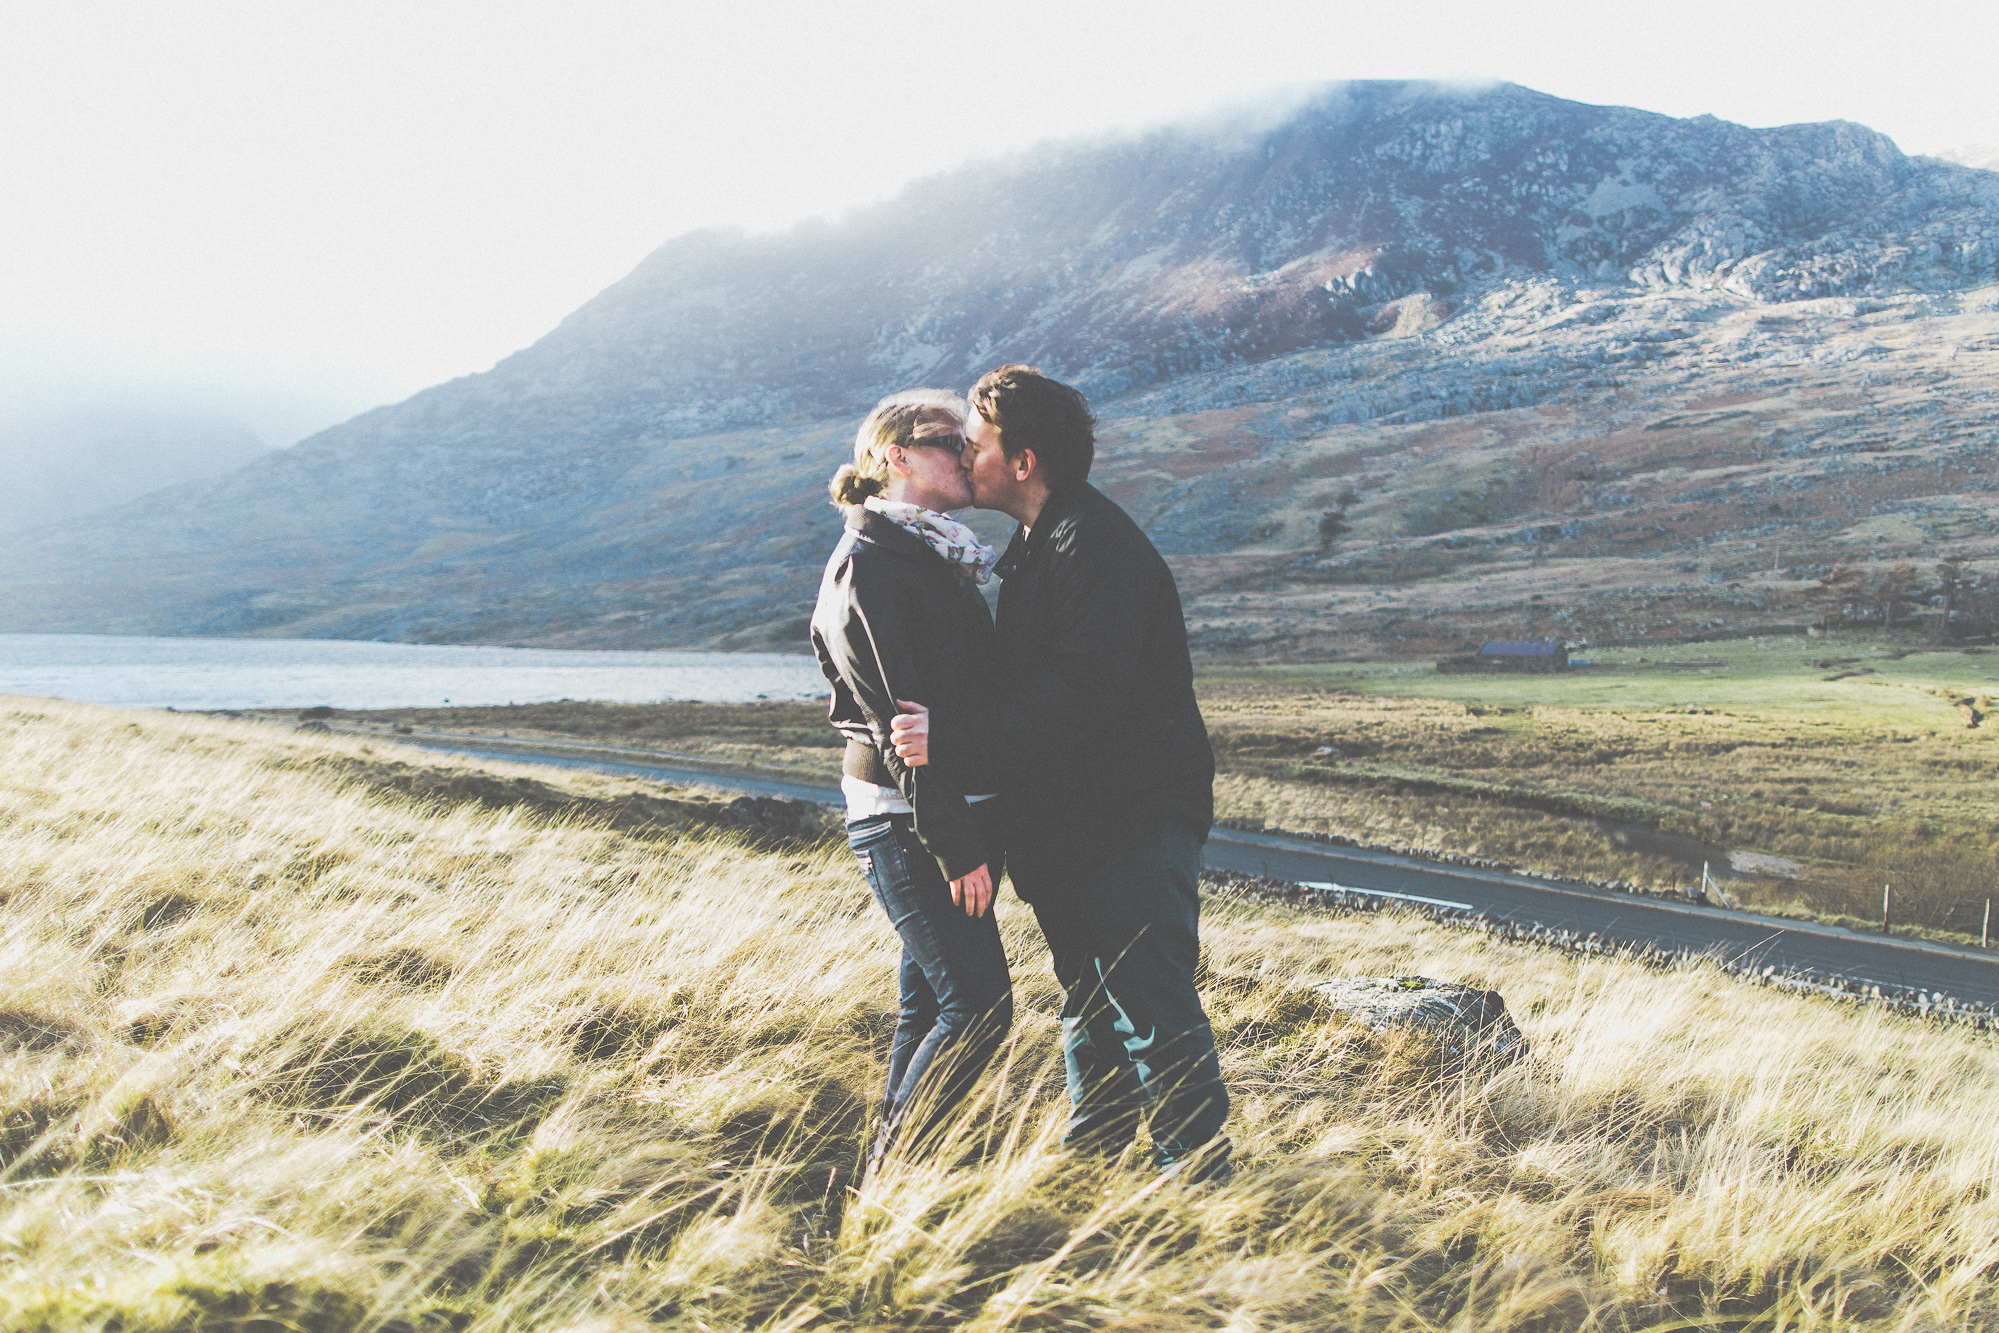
(1891, 963)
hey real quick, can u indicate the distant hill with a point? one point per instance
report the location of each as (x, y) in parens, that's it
(59, 465)
(1445, 316)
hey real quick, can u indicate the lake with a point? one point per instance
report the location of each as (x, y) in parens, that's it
(134, 672)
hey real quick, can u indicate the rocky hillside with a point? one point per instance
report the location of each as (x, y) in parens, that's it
(1586, 464)
(1410, 306)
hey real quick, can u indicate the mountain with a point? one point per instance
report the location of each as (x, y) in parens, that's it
(1430, 311)
(55, 466)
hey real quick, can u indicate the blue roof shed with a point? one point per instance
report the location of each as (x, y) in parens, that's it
(1550, 648)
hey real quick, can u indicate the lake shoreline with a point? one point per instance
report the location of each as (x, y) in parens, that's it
(193, 674)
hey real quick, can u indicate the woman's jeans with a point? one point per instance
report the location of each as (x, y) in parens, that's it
(957, 997)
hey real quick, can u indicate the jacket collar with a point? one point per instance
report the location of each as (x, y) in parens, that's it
(1059, 505)
(868, 526)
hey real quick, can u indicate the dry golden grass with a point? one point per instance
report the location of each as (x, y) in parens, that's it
(285, 1049)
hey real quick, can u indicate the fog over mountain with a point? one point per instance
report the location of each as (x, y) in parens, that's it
(1984, 156)
(55, 466)
(1261, 309)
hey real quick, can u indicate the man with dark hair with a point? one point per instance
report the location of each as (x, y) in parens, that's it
(1027, 410)
(1106, 777)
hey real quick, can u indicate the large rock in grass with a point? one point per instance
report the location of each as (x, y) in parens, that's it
(1470, 1024)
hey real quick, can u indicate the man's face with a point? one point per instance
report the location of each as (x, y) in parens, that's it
(994, 479)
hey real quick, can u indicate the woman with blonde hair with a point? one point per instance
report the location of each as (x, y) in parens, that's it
(900, 620)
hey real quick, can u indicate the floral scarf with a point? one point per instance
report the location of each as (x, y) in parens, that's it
(958, 544)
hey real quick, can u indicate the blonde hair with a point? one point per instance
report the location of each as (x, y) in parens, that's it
(899, 419)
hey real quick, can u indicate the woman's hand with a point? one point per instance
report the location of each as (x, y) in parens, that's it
(974, 892)
(909, 732)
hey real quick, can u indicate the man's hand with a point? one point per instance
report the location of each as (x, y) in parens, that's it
(974, 892)
(909, 732)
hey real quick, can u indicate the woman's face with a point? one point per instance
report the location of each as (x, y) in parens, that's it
(930, 475)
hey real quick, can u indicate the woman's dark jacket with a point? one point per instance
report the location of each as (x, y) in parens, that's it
(894, 621)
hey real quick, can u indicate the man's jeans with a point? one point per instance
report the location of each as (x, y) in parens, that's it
(1125, 937)
(957, 997)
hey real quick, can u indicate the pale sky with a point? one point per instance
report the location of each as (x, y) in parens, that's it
(294, 211)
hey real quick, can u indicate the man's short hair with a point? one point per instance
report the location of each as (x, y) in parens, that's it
(1032, 411)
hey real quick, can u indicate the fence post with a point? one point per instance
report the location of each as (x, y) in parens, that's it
(1711, 885)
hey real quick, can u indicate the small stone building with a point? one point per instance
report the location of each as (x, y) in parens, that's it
(1511, 655)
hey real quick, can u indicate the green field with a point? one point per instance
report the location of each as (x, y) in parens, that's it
(1839, 679)
(1814, 770)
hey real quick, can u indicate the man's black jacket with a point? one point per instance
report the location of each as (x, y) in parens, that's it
(1094, 725)
(896, 621)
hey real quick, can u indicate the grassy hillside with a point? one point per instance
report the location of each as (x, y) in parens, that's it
(1819, 769)
(288, 1047)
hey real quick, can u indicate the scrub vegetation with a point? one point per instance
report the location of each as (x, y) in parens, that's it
(285, 1043)
(1807, 773)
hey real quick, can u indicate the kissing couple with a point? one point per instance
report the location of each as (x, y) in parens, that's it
(1061, 745)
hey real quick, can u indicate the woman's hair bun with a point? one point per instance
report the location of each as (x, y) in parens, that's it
(849, 487)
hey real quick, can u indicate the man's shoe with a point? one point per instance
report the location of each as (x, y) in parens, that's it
(1208, 1164)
